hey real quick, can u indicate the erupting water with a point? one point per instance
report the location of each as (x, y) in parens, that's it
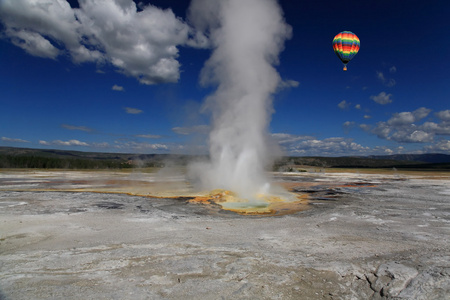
(247, 37)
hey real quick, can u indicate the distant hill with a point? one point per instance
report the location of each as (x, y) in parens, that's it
(428, 158)
(11, 157)
(422, 161)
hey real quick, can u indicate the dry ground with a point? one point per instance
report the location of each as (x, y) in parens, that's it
(113, 235)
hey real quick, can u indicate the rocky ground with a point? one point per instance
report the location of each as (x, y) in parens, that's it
(365, 236)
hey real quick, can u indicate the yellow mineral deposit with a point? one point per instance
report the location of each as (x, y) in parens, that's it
(268, 205)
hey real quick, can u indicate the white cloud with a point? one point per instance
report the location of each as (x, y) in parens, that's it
(392, 69)
(142, 44)
(140, 147)
(286, 138)
(308, 145)
(330, 146)
(388, 151)
(81, 128)
(33, 43)
(421, 113)
(405, 127)
(358, 106)
(441, 146)
(409, 136)
(37, 26)
(344, 104)
(118, 88)
(444, 115)
(435, 128)
(64, 143)
(339, 146)
(367, 117)
(382, 98)
(133, 111)
(10, 140)
(405, 118)
(382, 130)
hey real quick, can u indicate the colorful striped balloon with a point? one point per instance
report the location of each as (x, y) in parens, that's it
(346, 45)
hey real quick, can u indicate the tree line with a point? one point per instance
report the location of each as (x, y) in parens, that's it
(13, 161)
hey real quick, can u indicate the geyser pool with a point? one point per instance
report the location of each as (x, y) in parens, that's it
(270, 205)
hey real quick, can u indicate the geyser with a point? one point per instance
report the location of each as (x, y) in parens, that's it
(247, 37)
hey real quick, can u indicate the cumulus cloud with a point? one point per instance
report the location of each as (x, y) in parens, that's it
(382, 98)
(41, 27)
(344, 105)
(327, 147)
(441, 146)
(139, 43)
(80, 128)
(33, 43)
(133, 111)
(309, 145)
(358, 106)
(410, 136)
(118, 88)
(444, 115)
(406, 127)
(421, 113)
(64, 143)
(405, 118)
(10, 140)
(286, 138)
(437, 128)
(140, 147)
(392, 69)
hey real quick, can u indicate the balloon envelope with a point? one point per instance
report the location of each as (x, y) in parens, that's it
(346, 44)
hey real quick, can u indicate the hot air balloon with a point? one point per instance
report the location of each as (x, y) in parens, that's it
(346, 45)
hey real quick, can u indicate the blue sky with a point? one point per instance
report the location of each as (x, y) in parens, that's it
(71, 84)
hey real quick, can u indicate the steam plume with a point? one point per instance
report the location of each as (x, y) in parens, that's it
(247, 37)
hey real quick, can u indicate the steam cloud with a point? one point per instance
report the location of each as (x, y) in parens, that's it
(247, 37)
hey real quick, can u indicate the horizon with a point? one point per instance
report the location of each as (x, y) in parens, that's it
(207, 154)
(60, 93)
